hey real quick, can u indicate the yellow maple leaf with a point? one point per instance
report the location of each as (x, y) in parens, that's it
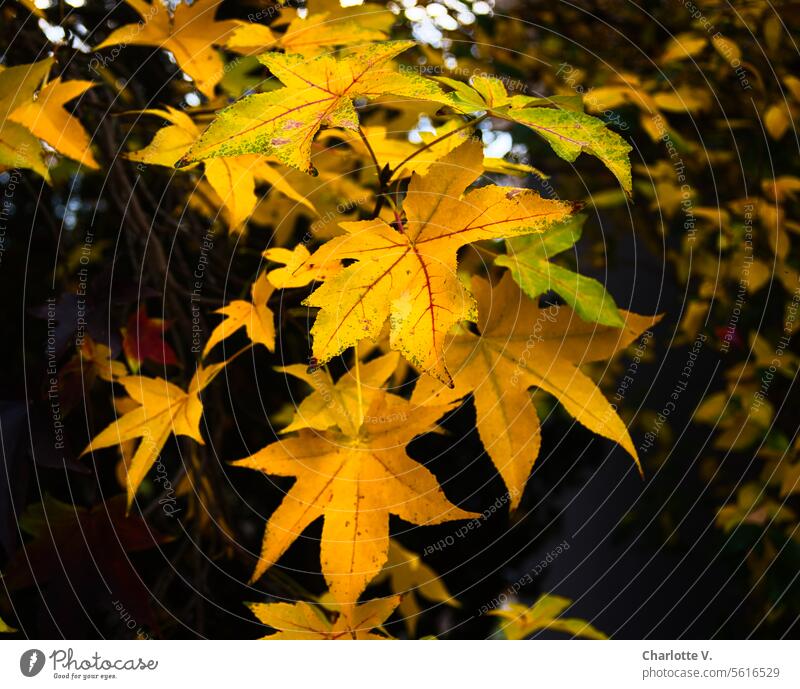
(519, 621)
(233, 179)
(410, 273)
(47, 119)
(255, 316)
(317, 92)
(522, 346)
(301, 620)
(777, 120)
(162, 409)
(337, 404)
(355, 481)
(298, 270)
(190, 33)
(368, 15)
(410, 577)
(19, 147)
(96, 357)
(308, 36)
(169, 142)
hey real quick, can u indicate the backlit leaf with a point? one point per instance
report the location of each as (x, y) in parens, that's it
(301, 620)
(47, 119)
(569, 131)
(255, 316)
(354, 481)
(317, 92)
(408, 274)
(522, 346)
(163, 409)
(519, 622)
(189, 33)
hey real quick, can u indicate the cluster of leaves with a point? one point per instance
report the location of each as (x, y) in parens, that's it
(357, 198)
(712, 99)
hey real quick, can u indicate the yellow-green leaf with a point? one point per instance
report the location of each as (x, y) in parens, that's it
(519, 622)
(317, 92)
(528, 259)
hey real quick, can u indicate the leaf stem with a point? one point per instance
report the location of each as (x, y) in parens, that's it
(371, 152)
(383, 177)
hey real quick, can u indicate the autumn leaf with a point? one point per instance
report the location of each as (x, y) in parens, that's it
(683, 46)
(683, 99)
(189, 33)
(317, 92)
(298, 270)
(354, 481)
(755, 507)
(569, 132)
(790, 479)
(528, 259)
(777, 120)
(337, 404)
(169, 142)
(233, 179)
(368, 15)
(410, 577)
(301, 620)
(311, 35)
(255, 316)
(143, 340)
(19, 147)
(5, 628)
(522, 346)
(163, 409)
(92, 360)
(408, 274)
(519, 622)
(46, 118)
